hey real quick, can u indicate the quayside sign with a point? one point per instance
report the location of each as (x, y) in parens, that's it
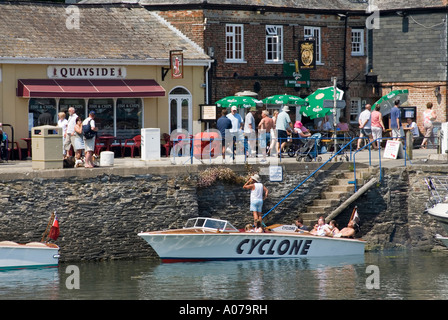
(86, 72)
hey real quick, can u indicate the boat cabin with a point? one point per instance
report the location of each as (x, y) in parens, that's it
(210, 224)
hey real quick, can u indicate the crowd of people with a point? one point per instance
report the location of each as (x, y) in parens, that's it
(371, 125)
(273, 131)
(73, 136)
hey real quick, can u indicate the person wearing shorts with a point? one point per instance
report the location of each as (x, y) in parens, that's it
(377, 126)
(283, 124)
(258, 193)
(365, 125)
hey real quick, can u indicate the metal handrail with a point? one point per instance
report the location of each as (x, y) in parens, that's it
(307, 178)
(379, 157)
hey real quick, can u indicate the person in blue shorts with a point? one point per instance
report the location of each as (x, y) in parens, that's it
(258, 193)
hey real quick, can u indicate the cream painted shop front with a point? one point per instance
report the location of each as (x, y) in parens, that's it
(115, 62)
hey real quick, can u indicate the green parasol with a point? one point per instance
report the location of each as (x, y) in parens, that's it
(316, 102)
(387, 102)
(238, 101)
(285, 99)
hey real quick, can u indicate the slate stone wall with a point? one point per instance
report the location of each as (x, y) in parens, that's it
(100, 216)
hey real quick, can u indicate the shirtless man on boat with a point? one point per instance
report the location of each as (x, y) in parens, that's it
(348, 231)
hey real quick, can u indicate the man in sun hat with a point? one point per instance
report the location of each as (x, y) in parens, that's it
(283, 125)
(258, 193)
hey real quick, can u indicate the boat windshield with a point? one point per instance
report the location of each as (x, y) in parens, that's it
(222, 225)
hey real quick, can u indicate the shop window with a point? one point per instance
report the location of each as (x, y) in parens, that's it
(41, 112)
(129, 117)
(78, 104)
(104, 119)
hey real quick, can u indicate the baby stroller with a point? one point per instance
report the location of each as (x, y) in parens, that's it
(309, 150)
(294, 144)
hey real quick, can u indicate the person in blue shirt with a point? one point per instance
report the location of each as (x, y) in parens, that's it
(395, 123)
(222, 125)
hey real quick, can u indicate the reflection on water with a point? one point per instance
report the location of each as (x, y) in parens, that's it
(402, 276)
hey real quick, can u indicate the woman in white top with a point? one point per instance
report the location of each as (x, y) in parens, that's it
(257, 195)
(62, 123)
(428, 117)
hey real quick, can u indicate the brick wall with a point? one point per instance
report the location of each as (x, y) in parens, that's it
(255, 71)
(420, 93)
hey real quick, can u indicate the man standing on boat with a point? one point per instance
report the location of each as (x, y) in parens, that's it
(258, 192)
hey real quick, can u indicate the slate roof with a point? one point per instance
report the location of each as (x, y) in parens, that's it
(38, 30)
(306, 5)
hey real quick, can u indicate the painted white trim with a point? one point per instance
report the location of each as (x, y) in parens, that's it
(121, 62)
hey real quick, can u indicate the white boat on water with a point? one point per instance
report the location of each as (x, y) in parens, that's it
(438, 187)
(205, 239)
(440, 212)
(29, 255)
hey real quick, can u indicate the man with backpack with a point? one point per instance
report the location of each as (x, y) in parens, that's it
(89, 131)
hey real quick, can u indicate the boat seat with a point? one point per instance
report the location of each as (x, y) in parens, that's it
(9, 243)
(36, 244)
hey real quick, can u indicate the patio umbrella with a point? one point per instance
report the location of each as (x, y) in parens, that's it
(285, 99)
(239, 102)
(316, 102)
(387, 102)
(246, 94)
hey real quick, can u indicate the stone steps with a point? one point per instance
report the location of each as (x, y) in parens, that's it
(340, 188)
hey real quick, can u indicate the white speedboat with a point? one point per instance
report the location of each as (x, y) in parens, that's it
(205, 239)
(29, 255)
(440, 212)
(438, 209)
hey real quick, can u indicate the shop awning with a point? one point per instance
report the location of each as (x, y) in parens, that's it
(85, 88)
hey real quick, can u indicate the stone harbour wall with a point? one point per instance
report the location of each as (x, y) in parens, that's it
(101, 213)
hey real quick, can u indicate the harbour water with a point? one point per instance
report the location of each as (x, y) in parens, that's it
(387, 275)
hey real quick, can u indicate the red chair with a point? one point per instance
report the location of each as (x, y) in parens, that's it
(168, 144)
(16, 147)
(134, 143)
(117, 145)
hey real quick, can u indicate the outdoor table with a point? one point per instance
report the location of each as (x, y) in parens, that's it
(107, 141)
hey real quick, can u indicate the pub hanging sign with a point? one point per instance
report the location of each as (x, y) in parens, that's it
(177, 64)
(307, 55)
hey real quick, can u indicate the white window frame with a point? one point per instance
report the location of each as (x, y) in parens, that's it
(357, 38)
(274, 38)
(233, 31)
(316, 34)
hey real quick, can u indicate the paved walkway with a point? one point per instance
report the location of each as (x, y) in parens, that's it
(420, 156)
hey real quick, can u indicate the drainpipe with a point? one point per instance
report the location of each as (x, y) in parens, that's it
(207, 89)
(344, 66)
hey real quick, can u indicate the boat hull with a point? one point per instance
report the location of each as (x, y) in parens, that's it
(231, 246)
(32, 255)
(440, 213)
